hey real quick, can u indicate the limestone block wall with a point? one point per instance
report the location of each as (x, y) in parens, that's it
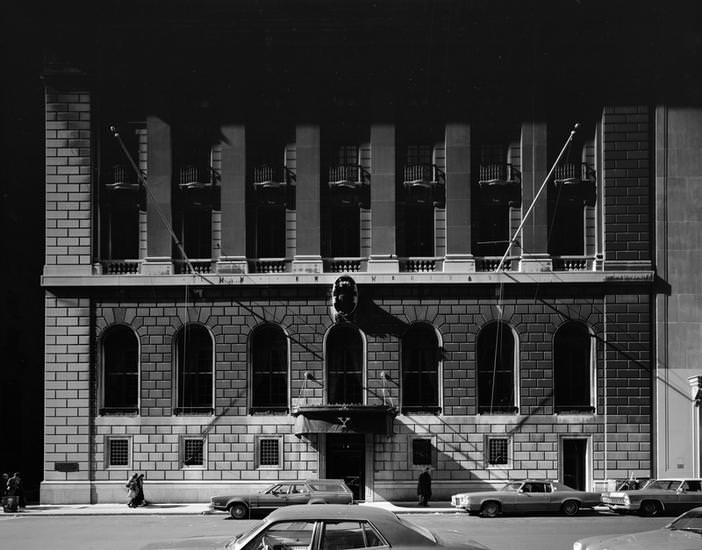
(68, 208)
(618, 431)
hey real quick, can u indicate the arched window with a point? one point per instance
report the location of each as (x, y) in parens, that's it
(496, 354)
(571, 368)
(120, 349)
(344, 359)
(194, 348)
(269, 368)
(420, 368)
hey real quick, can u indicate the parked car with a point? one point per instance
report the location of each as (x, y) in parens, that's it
(340, 527)
(671, 495)
(529, 495)
(312, 491)
(684, 533)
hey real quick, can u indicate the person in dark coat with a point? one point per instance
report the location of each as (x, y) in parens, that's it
(15, 489)
(132, 490)
(424, 487)
(140, 500)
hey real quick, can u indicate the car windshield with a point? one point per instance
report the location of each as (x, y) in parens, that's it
(277, 488)
(514, 486)
(417, 529)
(666, 485)
(689, 521)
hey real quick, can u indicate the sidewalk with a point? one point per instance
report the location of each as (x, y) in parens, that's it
(189, 509)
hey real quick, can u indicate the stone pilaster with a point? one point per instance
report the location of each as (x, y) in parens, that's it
(383, 256)
(233, 200)
(159, 213)
(308, 257)
(534, 237)
(459, 255)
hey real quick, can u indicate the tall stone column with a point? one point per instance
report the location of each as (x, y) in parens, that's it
(383, 256)
(308, 257)
(158, 203)
(459, 255)
(534, 237)
(233, 200)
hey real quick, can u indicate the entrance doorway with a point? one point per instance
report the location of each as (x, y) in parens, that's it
(346, 460)
(574, 461)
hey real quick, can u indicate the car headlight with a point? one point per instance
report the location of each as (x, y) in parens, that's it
(627, 500)
(577, 545)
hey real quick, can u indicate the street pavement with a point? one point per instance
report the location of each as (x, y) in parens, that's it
(198, 508)
(198, 531)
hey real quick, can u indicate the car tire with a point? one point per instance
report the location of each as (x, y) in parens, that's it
(570, 507)
(649, 508)
(238, 510)
(490, 509)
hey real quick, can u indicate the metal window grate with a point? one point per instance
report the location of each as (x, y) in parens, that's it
(497, 451)
(421, 452)
(194, 452)
(119, 452)
(269, 452)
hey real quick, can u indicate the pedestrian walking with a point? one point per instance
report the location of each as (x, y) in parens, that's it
(132, 490)
(3, 484)
(15, 489)
(140, 500)
(424, 487)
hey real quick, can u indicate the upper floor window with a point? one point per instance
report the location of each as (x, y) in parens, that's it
(496, 360)
(120, 349)
(122, 195)
(344, 358)
(195, 369)
(420, 368)
(572, 371)
(269, 368)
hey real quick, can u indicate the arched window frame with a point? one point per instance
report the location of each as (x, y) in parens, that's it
(253, 407)
(515, 369)
(590, 406)
(364, 347)
(103, 374)
(429, 408)
(179, 408)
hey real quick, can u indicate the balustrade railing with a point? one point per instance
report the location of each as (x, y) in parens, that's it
(490, 263)
(199, 266)
(120, 267)
(269, 265)
(418, 265)
(348, 173)
(573, 172)
(423, 173)
(342, 265)
(266, 175)
(498, 172)
(572, 263)
(192, 176)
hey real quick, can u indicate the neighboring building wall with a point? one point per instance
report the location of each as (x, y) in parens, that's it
(678, 142)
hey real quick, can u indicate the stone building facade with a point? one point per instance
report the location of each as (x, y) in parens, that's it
(192, 255)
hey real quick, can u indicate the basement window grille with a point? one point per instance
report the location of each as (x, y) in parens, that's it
(497, 451)
(269, 452)
(194, 452)
(118, 452)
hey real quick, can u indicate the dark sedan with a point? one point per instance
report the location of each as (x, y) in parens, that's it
(340, 527)
(285, 493)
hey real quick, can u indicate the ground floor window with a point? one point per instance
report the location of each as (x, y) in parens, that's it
(421, 452)
(193, 452)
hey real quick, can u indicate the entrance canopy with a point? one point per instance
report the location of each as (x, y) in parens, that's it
(353, 419)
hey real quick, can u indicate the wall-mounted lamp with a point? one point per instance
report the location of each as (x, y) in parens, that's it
(384, 375)
(307, 375)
